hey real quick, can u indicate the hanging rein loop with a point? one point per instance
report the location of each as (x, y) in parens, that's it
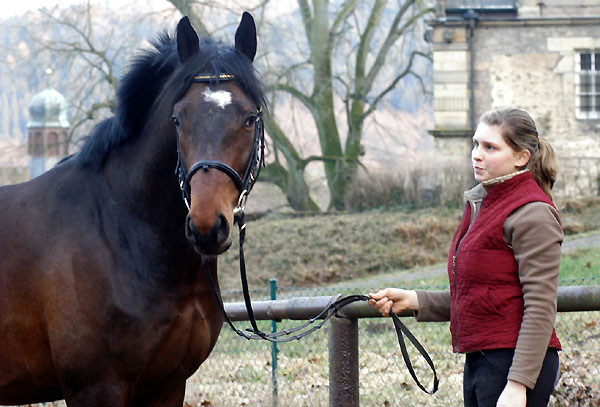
(244, 186)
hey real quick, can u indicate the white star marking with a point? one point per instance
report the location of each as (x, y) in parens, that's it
(221, 98)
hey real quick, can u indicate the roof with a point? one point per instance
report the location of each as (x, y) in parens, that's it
(48, 108)
(483, 7)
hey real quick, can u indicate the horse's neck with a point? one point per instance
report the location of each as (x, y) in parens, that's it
(141, 175)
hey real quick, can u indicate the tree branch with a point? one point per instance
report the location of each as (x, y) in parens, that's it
(327, 159)
(348, 7)
(185, 8)
(307, 101)
(393, 35)
(365, 43)
(307, 18)
(392, 85)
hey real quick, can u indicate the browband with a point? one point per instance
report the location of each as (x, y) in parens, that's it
(210, 77)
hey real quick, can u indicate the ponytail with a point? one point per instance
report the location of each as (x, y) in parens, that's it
(544, 167)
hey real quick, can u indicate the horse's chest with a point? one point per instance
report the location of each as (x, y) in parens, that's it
(188, 340)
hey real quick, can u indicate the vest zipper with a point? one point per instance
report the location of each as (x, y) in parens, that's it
(454, 313)
(473, 208)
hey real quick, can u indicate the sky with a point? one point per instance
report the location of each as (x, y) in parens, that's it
(10, 8)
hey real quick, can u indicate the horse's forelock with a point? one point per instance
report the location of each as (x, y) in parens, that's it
(216, 58)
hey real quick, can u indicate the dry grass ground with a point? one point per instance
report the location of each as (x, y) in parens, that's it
(311, 251)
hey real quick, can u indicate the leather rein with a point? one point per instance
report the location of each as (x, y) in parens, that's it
(244, 186)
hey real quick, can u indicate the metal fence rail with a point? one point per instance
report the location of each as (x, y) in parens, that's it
(326, 369)
(570, 299)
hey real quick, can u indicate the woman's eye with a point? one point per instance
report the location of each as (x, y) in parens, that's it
(250, 121)
(176, 121)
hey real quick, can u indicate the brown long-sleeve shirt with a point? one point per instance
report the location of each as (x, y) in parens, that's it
(534, 231)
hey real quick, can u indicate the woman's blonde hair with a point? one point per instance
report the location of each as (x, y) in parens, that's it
(519, 131)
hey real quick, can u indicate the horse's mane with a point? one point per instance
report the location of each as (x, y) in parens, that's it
(157, 71)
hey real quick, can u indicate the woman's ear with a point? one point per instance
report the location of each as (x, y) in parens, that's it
(522, 158)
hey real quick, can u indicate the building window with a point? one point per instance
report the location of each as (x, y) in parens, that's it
(35, 146)
(588, 85)
(52, 144)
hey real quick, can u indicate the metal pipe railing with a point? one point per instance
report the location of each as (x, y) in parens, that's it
(570, 299)
(343, 335)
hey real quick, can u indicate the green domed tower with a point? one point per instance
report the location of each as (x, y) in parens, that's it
(47, 130)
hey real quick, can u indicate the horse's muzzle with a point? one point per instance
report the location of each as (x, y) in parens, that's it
(216, 241)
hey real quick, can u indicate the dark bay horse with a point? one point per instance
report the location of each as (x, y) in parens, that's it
(103, 300)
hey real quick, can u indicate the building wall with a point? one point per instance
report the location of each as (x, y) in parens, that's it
(558, 8)
(528, 62)
(534, 68)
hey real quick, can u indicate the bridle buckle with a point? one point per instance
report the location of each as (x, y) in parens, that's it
(239, 209)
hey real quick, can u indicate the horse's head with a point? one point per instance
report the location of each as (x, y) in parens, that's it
(220, 136)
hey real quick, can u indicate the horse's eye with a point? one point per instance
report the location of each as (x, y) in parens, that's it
(250, 121)
(176, 121)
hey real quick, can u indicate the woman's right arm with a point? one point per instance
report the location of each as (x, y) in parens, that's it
(434, 305)
(429, 305)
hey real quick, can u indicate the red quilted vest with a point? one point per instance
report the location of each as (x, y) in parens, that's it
(487, 298)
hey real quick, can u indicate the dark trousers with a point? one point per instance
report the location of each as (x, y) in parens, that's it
(486, 374)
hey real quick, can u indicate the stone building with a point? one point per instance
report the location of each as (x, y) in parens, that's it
(47, 131)
(541, 56)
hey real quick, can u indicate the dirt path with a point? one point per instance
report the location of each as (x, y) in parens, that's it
(583, 241)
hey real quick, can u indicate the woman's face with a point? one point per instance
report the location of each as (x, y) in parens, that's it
(492, 157)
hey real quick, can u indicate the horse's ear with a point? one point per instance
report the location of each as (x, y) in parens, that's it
(187, 40)
(245, 36)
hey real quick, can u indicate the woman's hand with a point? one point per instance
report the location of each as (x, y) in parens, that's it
(513, 395)
(394, 299)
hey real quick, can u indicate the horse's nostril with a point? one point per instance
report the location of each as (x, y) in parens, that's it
(222, 227)
(215, 240)
(190, 230)
(222, 222)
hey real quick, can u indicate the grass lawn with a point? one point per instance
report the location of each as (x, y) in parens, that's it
(581, 265)
(325, 249)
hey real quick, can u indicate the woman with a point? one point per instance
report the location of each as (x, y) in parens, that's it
(503, 269)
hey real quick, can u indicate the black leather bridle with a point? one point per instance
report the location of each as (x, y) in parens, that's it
(257, 158)
(244, 186)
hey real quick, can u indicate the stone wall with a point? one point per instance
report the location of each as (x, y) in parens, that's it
(533, 67)
(528, 63)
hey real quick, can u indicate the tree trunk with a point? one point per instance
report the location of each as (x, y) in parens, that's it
(322, 95)
(291, 181)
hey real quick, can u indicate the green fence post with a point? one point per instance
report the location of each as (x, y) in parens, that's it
(273, 284)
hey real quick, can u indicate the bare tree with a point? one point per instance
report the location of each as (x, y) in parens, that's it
(368, 32)
(88, 48)
(353, 51)
(335, 51)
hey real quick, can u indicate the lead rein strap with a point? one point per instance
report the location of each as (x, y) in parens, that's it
(400, 328)
(328, 312)
(242, 226)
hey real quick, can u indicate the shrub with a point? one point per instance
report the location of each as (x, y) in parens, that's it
(419, 187)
